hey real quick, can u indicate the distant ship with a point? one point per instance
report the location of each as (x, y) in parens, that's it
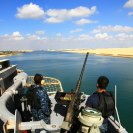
(12, 82)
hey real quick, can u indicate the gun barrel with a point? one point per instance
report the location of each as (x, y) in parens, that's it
(81, 74)
(70, 111)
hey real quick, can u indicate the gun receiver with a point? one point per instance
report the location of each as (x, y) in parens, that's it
(71, 108)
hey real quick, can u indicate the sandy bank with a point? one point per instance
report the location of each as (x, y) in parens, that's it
(117, 52)
(5, 55)
(12, 53)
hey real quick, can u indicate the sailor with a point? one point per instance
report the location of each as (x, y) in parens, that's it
(103, 101)
(39, 101)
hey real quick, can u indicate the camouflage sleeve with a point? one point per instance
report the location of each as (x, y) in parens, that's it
(44, 101)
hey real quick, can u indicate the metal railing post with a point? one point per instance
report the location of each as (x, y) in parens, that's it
(116, 106)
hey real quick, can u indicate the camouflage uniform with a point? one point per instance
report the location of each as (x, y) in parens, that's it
(44, 112)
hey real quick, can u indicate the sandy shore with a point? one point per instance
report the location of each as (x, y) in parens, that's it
(11, 53)
(117, 52)
(5, 55)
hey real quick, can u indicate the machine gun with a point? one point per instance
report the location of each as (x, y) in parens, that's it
(74, 103)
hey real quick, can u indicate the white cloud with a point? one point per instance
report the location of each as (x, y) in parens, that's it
(116, 28)
(81, 11)
(16, 33)
(33, 37)
(33, 11)
(102, 36)
(76, 30)
(130, 13)
(34, 41)
(5, 37)
(129, 4)
(60, 15)
(84, 21)
(124, 36)
(54, 20)
(30, 11)
(17, 36)
(84, 37)
(121, 36)
(57, 13)
(40, 32)
(14, 36)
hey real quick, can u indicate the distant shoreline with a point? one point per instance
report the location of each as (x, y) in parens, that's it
(5, 55)
(12, 53)
(115, 52)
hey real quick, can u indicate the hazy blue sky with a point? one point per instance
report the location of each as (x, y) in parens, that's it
(65, 24)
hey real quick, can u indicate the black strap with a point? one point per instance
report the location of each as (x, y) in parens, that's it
(102, 104)
(106, 104)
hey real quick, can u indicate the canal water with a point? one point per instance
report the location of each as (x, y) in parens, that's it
(67, 66)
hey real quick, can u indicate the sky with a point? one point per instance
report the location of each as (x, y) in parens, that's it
(65, 24)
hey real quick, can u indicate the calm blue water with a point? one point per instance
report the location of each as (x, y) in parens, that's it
(66, 67)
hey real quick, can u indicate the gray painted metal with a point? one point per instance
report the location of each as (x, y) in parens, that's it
(1, 86)
(32, 125)
(4, 64)
(5, 115)
(4, 75)
(117, 126)
(17, 122)
(7, 71)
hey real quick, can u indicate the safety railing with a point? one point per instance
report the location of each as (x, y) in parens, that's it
(5, 115)
(14, 122)
(115, 121)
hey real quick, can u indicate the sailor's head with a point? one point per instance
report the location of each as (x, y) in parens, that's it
(102, 82)
(38, 78)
